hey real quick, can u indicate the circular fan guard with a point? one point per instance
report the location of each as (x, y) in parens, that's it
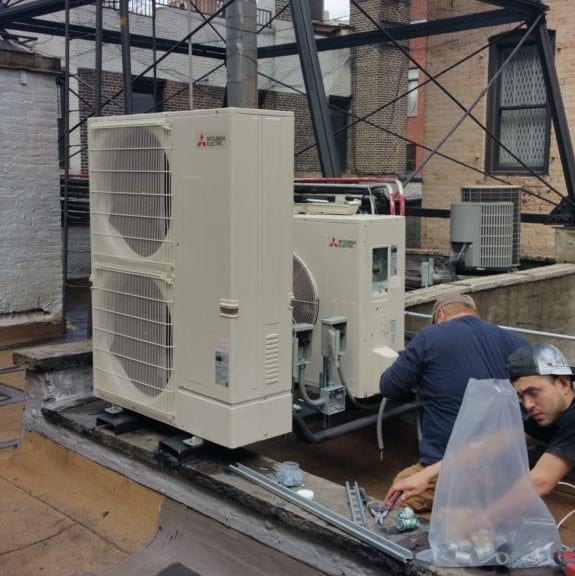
(139, 180)
(142, 327)
(306, 297)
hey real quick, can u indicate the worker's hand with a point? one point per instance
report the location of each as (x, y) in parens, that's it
(415, 484)
(410, 486)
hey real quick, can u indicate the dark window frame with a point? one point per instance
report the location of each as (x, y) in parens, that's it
(339, 110)
(499, 44)
(410, 157)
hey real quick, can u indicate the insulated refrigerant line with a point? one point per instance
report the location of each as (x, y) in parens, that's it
(367, 536)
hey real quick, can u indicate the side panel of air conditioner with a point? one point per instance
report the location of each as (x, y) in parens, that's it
(234, 270)
(194, 326)
(357, 263)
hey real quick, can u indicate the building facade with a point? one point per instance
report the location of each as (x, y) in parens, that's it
(515, 110)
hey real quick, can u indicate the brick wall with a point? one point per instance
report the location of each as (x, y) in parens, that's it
(379, 75)
(30, 232)
(443, 179)
(417, 50)
(176, 97)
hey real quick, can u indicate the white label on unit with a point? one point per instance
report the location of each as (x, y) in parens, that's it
(222, 359)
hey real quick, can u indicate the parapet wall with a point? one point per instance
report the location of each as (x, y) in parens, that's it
(541, 299)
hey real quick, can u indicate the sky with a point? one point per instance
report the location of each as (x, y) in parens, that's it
(336, 8)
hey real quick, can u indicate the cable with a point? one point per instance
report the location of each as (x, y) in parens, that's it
(569, 514)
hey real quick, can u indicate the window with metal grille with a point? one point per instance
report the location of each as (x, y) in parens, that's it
(518, 114)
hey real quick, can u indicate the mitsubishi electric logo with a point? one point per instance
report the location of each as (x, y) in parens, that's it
(210, 140)
(335, 243)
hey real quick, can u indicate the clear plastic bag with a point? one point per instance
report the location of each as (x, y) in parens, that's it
(485, 510)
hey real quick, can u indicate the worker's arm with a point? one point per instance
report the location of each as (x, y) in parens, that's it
(543, 477)
(549, 470)
(403, 375)
(419, 482)
(415, 484)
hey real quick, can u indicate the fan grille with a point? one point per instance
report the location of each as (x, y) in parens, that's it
(306, 298)
(131, 189)
(133, 330)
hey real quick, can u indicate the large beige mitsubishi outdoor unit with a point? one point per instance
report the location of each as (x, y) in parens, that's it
(352, 267)
(191, 232)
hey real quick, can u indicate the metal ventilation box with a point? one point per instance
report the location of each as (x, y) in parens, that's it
(500, 194)
(484, 232)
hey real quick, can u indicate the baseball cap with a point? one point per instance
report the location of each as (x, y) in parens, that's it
(453, 298)
(538, 359)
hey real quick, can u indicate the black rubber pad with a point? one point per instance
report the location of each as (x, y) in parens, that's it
(177, 569)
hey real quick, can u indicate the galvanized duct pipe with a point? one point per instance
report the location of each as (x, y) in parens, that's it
(241, 50)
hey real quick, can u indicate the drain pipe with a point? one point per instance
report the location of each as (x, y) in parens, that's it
(303, 431)
(303, 391)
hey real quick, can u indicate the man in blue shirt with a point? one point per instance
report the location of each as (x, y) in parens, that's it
(544, 382)
(440, 360)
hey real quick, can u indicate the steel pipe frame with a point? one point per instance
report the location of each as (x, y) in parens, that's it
(39, 26)
(509, 11)
(317, 100)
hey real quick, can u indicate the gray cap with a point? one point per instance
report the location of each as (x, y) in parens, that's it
(537, 359)
(453, 298)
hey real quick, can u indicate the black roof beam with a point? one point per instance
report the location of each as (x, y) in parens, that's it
(39, 26)
(523, 5)
(404, 32)
(36, 8)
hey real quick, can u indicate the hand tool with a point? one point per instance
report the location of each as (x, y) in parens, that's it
(566, 560)
(380, 510)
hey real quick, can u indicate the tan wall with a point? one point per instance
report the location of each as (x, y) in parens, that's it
(540, 299)
(443, 179)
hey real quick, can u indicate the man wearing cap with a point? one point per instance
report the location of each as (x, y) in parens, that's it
(440, 360)
(543, 380)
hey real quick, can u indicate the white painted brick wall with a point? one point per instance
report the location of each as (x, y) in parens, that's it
(30, 232)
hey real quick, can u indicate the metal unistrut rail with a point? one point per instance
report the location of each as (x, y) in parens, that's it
(355, 504)
(378, 542)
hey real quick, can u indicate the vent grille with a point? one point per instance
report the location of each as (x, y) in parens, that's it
(272, 361)
(500, 194)
(306, 298)
(133, 336)
(496, 246)
(131, 192)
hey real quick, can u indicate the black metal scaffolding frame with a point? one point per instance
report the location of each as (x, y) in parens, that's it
(23, 17)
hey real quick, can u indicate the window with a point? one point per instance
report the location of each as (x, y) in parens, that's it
(410, 158)
(517, 110)
(339, 108)
(143, 99)
(413, 95)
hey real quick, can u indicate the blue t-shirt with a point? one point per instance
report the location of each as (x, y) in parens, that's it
(441, 359)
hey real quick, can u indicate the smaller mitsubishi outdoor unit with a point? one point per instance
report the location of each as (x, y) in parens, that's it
(191, 234)
(500, 193)
(351, 267)
(482, 234)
